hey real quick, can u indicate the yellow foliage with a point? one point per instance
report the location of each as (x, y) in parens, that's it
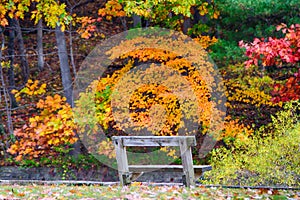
(52, 127)
(248, 88)
(161, 96)
(206, 41)
(32, 88)
(170, 152)
(112, 9)
(238, 92)
(150, 54)
(203, 9)
(216, 14)
(170, 13)
(107, 148)
(234, 129)
(87, 27)
(51, 11)
(140, 101)
(148, 99)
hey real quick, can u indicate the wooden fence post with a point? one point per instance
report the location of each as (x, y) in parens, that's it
(122, 162)
(187, 162)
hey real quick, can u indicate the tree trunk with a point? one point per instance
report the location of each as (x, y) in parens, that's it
(11, 55)
(64, 65)
(6, 100)
(66, 76)
(39, 39)
(71, 49)
(20, 41)
(137, 21)
(124, 23)
(186, 25)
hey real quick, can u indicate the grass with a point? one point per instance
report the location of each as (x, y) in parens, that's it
(138, 191)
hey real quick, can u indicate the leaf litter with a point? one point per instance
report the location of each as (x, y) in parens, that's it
(138, 191)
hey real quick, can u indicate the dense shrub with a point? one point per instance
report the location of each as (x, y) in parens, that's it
(247, 19)
(152, 107)
(268, 160)
(277, 54)
(225, 52)
(49, 132)
(249, 96)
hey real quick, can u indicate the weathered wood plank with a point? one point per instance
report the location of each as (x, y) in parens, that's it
(175, 168)
(122, 162)
(198, 169)
(187, 162)
(56, 182)
(154, 140)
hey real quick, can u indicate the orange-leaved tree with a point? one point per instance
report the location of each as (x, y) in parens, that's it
(49, 132)
(152, 106)
(148, 95)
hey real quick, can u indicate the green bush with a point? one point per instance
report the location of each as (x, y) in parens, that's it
(247, 19)
(226, 52)
(270, 160)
